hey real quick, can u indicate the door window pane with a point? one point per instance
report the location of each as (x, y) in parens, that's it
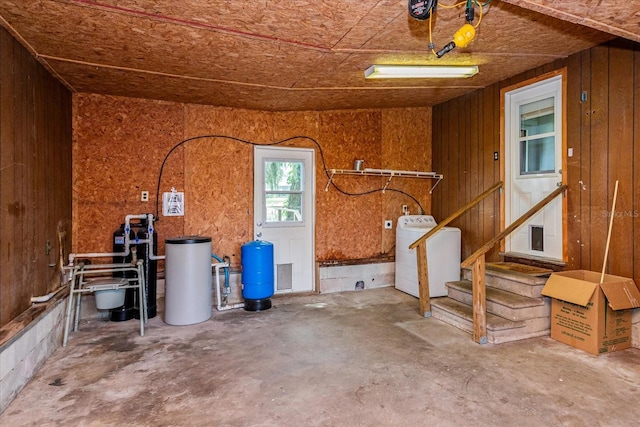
(284, 207)
(537, 156)
(537, 117)
(537, 141)
(283, 191)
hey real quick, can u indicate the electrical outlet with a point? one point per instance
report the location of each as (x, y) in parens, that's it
(144, 196)
(388, 224)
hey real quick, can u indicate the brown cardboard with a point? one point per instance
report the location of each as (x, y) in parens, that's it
(589, 315)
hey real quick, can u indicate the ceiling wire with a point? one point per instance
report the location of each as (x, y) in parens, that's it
(282, 141)
(468, 4)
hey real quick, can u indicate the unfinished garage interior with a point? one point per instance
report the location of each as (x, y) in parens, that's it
(252, 126)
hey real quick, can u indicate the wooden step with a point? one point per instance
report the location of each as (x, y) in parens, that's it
(505, 304)
(499, 330)
(511, 281)
(534, 261)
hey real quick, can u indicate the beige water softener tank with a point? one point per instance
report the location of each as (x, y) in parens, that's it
(188, 294)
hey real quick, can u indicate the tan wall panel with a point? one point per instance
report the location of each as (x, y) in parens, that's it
(349, 226)
(119, 146)
(219, 175)
(216, 172)
(406, 145)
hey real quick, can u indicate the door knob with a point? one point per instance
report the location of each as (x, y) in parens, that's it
(259, 224)
(259, 234)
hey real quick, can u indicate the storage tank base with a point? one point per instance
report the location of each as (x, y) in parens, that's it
(257, 304)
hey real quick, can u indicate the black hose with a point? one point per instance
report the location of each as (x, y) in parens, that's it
(282, 141)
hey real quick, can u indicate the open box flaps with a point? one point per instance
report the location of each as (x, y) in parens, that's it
(590, 315)
(578, 286)
(621, 295)
(570, 286)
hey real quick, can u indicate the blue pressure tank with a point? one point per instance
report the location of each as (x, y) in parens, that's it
(257, 275)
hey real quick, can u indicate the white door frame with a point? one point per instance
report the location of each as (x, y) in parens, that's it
(294, 243)
(562, 73)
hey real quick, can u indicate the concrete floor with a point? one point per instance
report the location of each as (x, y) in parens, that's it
(361, 358)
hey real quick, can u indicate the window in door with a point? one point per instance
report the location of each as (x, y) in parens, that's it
(537, 139)
(283, 192)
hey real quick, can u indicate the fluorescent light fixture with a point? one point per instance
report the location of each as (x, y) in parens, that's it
(419, 71)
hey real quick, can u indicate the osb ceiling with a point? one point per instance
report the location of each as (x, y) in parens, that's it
(297, 54)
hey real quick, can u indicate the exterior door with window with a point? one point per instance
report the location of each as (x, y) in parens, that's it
(533, 167)
(284, 200)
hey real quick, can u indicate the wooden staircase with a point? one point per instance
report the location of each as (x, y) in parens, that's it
(515, 307)
(481, 319)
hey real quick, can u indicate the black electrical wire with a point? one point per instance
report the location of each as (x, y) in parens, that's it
(282, 141)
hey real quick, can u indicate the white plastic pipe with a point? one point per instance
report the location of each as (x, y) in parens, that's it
(219, 306)
(150, 242)
(64, 281)
(127, 242)
(47, 297)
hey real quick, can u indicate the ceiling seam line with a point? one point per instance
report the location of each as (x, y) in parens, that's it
(178, 76)
(195, 24)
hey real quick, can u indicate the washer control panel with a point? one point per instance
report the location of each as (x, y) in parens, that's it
(417, 221)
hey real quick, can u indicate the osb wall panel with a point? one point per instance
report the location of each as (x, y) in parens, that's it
(349, 227)
(35, 177)
(603, 133)
(216, 173)
(219, 174)
(118, 148)
(406, 145)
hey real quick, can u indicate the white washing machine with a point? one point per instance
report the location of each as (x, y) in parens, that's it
(443, 255)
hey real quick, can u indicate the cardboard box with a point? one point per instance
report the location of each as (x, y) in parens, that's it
(589, 315)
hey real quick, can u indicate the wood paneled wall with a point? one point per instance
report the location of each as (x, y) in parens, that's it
(35, 177)
(604, 133)
(120, 144)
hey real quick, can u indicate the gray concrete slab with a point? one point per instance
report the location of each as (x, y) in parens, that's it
(361, 358)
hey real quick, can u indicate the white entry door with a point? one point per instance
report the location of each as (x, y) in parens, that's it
(533, 166)
(284, 200)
